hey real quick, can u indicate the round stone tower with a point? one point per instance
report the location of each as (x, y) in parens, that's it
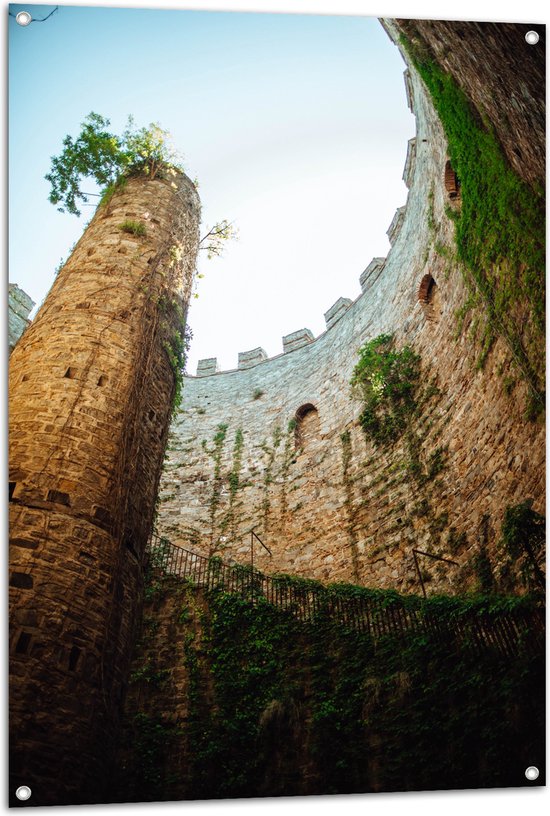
(91, 389)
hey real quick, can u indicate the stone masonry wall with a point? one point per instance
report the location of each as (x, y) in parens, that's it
(90, 389)
(503, 76)
(19, 306)
(324, 500)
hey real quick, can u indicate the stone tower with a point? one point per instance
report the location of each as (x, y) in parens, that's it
(91, 387)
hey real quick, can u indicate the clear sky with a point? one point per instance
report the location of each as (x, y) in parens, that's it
(295, 126)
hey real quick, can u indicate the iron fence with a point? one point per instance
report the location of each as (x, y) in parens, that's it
(504, 631)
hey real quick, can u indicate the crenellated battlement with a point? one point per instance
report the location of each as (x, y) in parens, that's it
(278, 445)
(367, 280)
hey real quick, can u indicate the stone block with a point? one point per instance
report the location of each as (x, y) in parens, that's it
(371, 273)
(247, 359)
(297, 339)
(410, 162)
(207, 366)
(19, 306)
(409, 89)
(336, 311)
(395, 226)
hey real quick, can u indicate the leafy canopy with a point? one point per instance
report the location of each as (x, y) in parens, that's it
(101, 156)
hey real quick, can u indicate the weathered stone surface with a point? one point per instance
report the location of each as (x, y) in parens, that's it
(396, 224)
(207, 366)
(336, 508)
(408, 171)
(252, 357)
(409, 89)
(337, 311)
(297, 339)
(371, 273)
(19, 306)
(509, 91)
(90, 394)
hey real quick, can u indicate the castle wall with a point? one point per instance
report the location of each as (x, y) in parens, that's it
(508, 91)
(90, 395)
(19, 306)
(336, 507)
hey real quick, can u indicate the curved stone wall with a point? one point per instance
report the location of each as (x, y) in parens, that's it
(334, 507)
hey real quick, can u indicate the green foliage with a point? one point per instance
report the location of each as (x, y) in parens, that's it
(147, 673)
(176, 348)
(499, 228)
(152, 738)
(270, 698)
(214, 241)
(97, 155)
(215, 453)
(234, 478)
(257, 393)
(133, 228)
(523, 539)
(385, 380)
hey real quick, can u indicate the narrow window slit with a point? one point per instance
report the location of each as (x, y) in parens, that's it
(21, 580)
(23, 643)
(58, 497)
(73, 658)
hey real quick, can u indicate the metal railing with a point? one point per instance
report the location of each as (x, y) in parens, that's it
(506, 632)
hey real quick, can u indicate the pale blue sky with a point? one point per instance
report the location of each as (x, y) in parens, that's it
(296, 127)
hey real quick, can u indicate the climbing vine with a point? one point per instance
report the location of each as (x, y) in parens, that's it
(289, 708)
(385, 380)
(234, 479)
(270, 452)
(523, 543)
(289, 455)
(215, 453)
(345, 439)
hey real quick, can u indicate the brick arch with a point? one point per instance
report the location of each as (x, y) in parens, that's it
(451, 180)
(428, 296)
(307, 425)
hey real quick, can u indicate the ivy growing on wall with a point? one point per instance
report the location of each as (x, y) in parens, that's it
(499, 229)
(345, 439)
(234, 479)
(385, 380)
(279, 707)
(215, 453)
(523, 541)
(270, 452)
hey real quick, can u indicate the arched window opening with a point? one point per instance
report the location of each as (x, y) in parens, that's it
(452, 183)
(428, 295)
(307, 425)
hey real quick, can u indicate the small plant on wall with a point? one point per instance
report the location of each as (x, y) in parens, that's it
(385, 380)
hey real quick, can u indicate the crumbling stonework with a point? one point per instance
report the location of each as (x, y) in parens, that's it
(336, 507)
(91, 389)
